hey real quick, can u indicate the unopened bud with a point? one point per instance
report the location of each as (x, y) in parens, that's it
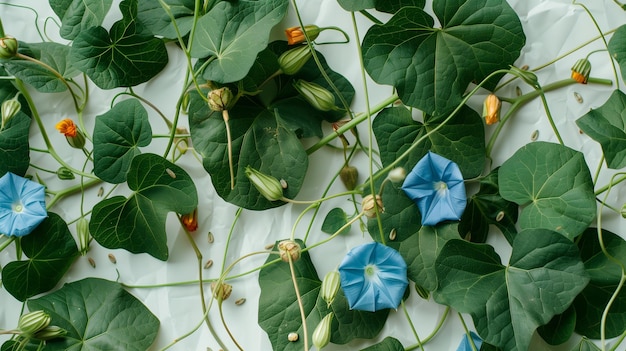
(190, 220)
(65, 173)
(82, 231)
(295, 35)
(289, 250)
(291, 61)
(267, 185)
(221, 291)
(623, 211)
(50, 332)
(397, 174)
(349, 176)
(321, 334)
(8, 47)
(527, 76)
(74, 136)
(316, 95)
(219, 99)
(370, 206)
(9, 109)
(422, 292)
(32, 322)
(491, 109)
(581, 70)
(330, 286)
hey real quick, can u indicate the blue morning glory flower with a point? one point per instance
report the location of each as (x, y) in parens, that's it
(373, 277)
(465, 344)
(22, 205)
(436, 185)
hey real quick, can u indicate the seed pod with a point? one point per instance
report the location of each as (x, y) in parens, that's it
(321, 334)
(370, 205)
(330, 286)
(289, 250)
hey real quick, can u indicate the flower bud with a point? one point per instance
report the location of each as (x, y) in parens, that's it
(32, 322)
(190, 220)
(289, 250)
(295, 35)
(623, 211)
(291, 61)
(74, 137)
(422, 292)
(9, 109)
(349, 176)
(581, 70)
(330, 286)
(219, 99)
(65, 173)
(397, 175)
(221, 291)
(8, 47)
(527, 76)
(491, 109)
(321, 334)
(370, 206)
(267, 185)
(316, 95)
(50, 332)
(82, 231)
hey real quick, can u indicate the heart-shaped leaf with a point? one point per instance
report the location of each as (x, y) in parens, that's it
(79, 15)
(460, 140)
(507, 303)
(487, 208)
(393, 6)
(617, 48)
(117, 136)
(560, 328)
(137, 223)
(334, 220)
(98, 315)
(356, 5)
(50, 249)
(279, 313)
(605, 277)
(388, 344)
(607, 126)
(154, 17)
(14, 150)
(126, 56)
(432, 67)
(234, 33)
(553, 185)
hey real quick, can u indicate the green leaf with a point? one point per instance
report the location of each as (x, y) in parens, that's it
(393, 6)
(56, 56)
(560, 328)
(419, 246)
(607, 126)
(356, 5)
(605, 277)
(617, 48)
(432, 67)
(485, 208)
(137, 223)
(50, 249)
(586, 345)
(553, 186)
(507, 303)
(461, 140)
(117, 136)
(335, 219)
(154, 17)
(234, 33)
(98, 315)
(126, 56)
(14, 145)
(79, 15)
(388, 344)
(279, 313)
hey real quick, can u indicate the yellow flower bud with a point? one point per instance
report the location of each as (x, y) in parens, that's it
(316, 95)
(295, 35)
(74, 136)
(291, 61)
(371, 206)
(581, 70)
(267, 185)
(289, 250)
(321, 334)
(219, 99)
(491, 109)
(8, 47)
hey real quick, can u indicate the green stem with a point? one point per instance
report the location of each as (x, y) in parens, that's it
(408, 318)
(230, 235)
(549, 115)
(300, 305)
(608, 186)
(467, 332)
(6, 242)
(370, 17)
(347, 225)
(439, 325)
(219, 307)
(71, 190)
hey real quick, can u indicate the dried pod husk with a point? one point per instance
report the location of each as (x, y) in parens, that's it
(370, 205)
(289, 250)
(221, 291)
(349, 176)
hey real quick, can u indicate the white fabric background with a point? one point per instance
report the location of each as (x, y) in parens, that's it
(552, 28)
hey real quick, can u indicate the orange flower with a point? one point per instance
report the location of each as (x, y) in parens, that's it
(491, 109)
(190, 220)
(581, 70)
(295, 35)
(67, 128)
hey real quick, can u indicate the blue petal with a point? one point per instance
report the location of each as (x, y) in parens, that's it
(31, 195)
(383, 290)
(465, 344)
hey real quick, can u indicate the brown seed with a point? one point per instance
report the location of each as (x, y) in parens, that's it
(170, 173)
(100, 191)
(392, 234)
(293, 337)
(240, 301)
(518, 91)
(112, 258)
(91, 262)
(534, 135)
(211, 238)
(208, 264)
(500, 216)
(269, 246)
(578, 98)
(524, 68)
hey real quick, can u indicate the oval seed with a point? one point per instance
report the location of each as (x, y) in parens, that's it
(500, 216)
(112, 258)
(211, 238)
(208, 264)
(240, 301)
(518, 91)
(293, 337)
(283, 184)
(534, 135)
(100, 191)
(578, 98)
(524, 68)
(170, 173)
(392, 234)
(269, 246)
(91, 262)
